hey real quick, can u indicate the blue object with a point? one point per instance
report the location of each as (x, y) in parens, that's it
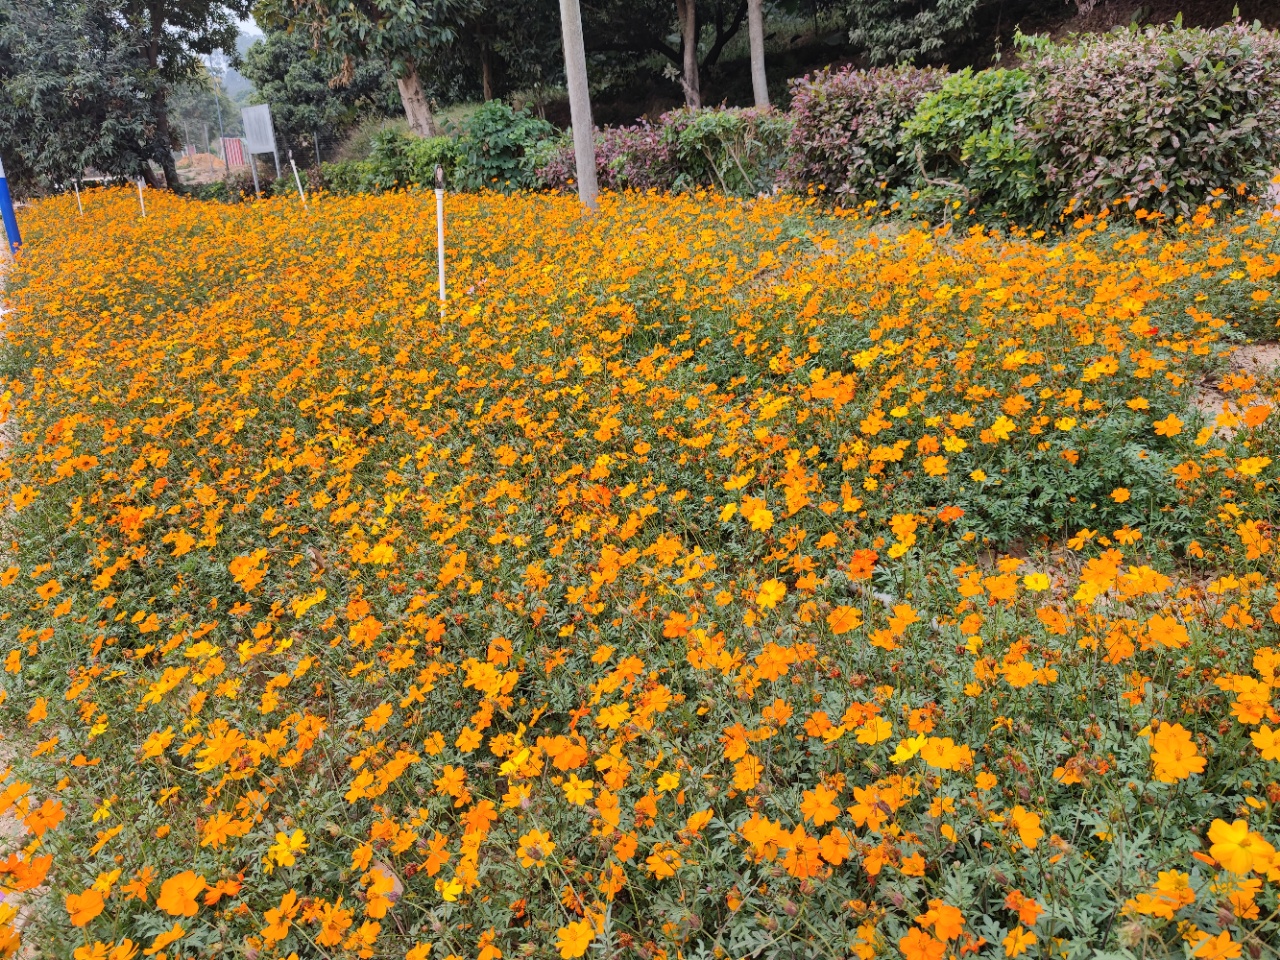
(6, 214)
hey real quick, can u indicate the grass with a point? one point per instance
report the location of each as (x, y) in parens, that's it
(707, 578)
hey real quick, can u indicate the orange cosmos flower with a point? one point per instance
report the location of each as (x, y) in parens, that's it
(178, 895)
(83, 907)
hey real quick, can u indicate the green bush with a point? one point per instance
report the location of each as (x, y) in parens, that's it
(965, 151)
(347, 176)
(217, 191)
(396, 162)
(359, 142)
(738, 151)
(424, 154)
(282, 186)
(848, 127)
(497, 148)
(1154, 119)
(234, 187)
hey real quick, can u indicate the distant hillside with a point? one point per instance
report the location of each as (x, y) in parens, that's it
(237, 85)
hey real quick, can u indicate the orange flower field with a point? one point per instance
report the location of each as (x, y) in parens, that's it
(710, 579)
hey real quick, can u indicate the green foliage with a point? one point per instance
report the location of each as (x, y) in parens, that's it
(935, 31)
(195, 104)
(396, 33)
(347, 176)
(282, 186)
(396, 161)
(1031, 494)
(424, 154)
(636, 44)
(496, 147)
(399, 161)
(738, 151)
(965, 152)
(93, 84)
(518, 44)
(1157, 120)
(236, 188)
(74, 92)
(898, 31)
(847, 137)
(358, 143)
(174, 35)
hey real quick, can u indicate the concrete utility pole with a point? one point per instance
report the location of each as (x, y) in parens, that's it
(755, 31)
(217, 102)
(575, 71)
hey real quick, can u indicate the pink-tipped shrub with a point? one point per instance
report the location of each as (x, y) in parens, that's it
(847, 135)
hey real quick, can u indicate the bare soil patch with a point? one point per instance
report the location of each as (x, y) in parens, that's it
(1231, 392)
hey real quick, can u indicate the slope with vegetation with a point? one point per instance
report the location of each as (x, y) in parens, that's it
(708, 578)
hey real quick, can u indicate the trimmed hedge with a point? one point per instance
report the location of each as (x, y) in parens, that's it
(1154, 119)
(634, 157)
(847, 138)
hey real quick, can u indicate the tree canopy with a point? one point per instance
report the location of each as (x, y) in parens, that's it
(307, 101)
(87, 83)
(172, 35)
(197, 103)
(402, 35)
(74, 92)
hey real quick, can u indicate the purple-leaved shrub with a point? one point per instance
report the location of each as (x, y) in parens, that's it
(1154, 119)
(847, 134)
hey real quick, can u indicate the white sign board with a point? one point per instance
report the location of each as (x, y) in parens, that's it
(257, 129)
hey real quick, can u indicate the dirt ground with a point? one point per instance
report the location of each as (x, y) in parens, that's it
(202, 168)
(1256, 360)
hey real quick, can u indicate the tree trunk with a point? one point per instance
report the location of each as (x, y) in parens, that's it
(687, 12)
(755, 27)
(723, 34)
(416, 107)
(159, 101)
(575, 71)
(165, 138)
(486, 72)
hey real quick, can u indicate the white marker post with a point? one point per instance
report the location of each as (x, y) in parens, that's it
(440, 226)
(142, 203)
(76, 187)
(298, 180)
